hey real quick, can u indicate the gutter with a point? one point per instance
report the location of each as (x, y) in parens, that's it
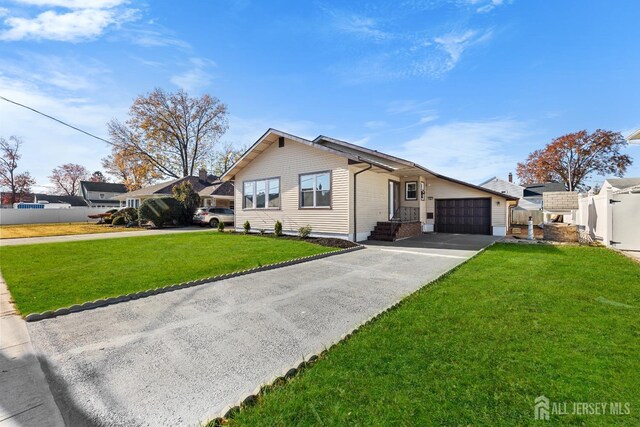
(355, 200)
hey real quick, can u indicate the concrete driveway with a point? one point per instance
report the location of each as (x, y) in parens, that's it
(181, 357)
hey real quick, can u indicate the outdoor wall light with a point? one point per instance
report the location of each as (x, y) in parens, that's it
(430, 198)
(498, 202)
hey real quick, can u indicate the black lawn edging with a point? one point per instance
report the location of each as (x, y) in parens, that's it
(49, 314)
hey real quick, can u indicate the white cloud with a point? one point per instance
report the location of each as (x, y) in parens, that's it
(375, 124)
(362, 26)
(469, 150)
(75, 25)
(195, 78)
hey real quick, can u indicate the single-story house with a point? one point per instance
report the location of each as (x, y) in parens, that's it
(347, 191)
(100, 194)
(212, 191)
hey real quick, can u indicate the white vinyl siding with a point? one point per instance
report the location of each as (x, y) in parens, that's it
(289, 162)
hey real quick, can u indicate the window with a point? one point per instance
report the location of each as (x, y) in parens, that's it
(133, 203)
(411, 190)
(261, 194)
(315, 190)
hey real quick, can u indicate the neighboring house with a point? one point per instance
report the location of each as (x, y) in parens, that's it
(634, 138)
(212, 191)
(617, 184)
(530, 197)
(347, 191)
(74, 201)
(100, 194)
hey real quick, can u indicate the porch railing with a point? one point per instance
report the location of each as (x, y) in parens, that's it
(406, 214)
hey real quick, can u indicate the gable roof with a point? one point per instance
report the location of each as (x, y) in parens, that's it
(503, 186)
(204, 188)
(107, 187)
(621, 183)
(54, 198)
(635, 136)
(354, 153)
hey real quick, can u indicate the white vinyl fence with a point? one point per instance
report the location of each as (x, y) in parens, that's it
(44, 216)
(612, 219)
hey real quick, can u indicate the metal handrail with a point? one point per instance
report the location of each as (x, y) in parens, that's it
(406, 214)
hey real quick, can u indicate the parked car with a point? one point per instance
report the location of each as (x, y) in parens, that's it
(212, 216)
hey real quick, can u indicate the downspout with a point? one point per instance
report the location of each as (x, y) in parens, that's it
(355, 201)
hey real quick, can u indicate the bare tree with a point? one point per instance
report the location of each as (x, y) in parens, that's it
(224, 158)
(173, 132)
(19, 184)
(66, 178)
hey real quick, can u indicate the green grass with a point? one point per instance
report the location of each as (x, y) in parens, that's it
(53, 275)
(478, 346)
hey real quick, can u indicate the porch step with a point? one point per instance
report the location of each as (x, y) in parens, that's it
(388, 231)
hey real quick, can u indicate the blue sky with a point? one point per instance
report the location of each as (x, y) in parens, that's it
(465, 87)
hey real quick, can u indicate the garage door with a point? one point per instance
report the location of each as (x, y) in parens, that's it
(466, 216)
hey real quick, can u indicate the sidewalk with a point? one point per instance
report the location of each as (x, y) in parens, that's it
(96, 236)
(25, 398)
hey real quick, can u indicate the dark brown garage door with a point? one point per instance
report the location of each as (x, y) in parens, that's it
(466, 216)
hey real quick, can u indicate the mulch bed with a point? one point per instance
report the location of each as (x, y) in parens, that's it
(322, 241)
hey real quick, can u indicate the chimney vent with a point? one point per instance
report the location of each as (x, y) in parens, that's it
(202, 174)
(510, 177)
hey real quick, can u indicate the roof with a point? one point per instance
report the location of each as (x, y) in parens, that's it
(354, 153)
(218, 189)
(503, 186)
(537, 190)
(103, 202)
(635, 136)
(107, 187)
(54, 198)
(204, 188)
(620, 183)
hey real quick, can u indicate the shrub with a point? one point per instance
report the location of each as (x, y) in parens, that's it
(277, 229)
(304, 232)
(262, 231)
(128, 215)
(188, 198)
(118, 220)
(221, 226)
(112, 211)
(247, 227)
(160, 211)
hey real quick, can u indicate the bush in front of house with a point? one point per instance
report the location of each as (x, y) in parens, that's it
(188, 198)
(161, 211)
(221, 226)
(125, 216)
(304, 232)
(277, 229)
(247, 227)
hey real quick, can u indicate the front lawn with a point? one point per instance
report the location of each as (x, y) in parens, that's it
(48, 276)
(478, 346)
(62, 229)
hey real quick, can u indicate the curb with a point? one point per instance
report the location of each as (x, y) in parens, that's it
(249, 398)
(49, 314)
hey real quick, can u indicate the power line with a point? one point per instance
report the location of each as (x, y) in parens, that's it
(57, 120)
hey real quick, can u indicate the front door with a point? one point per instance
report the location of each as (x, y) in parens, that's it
(394, 197)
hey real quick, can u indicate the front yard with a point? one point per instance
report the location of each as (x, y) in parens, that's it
(478, 346)
(62, 229)
(48, 276)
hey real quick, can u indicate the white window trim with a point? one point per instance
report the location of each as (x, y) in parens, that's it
(406, 190)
